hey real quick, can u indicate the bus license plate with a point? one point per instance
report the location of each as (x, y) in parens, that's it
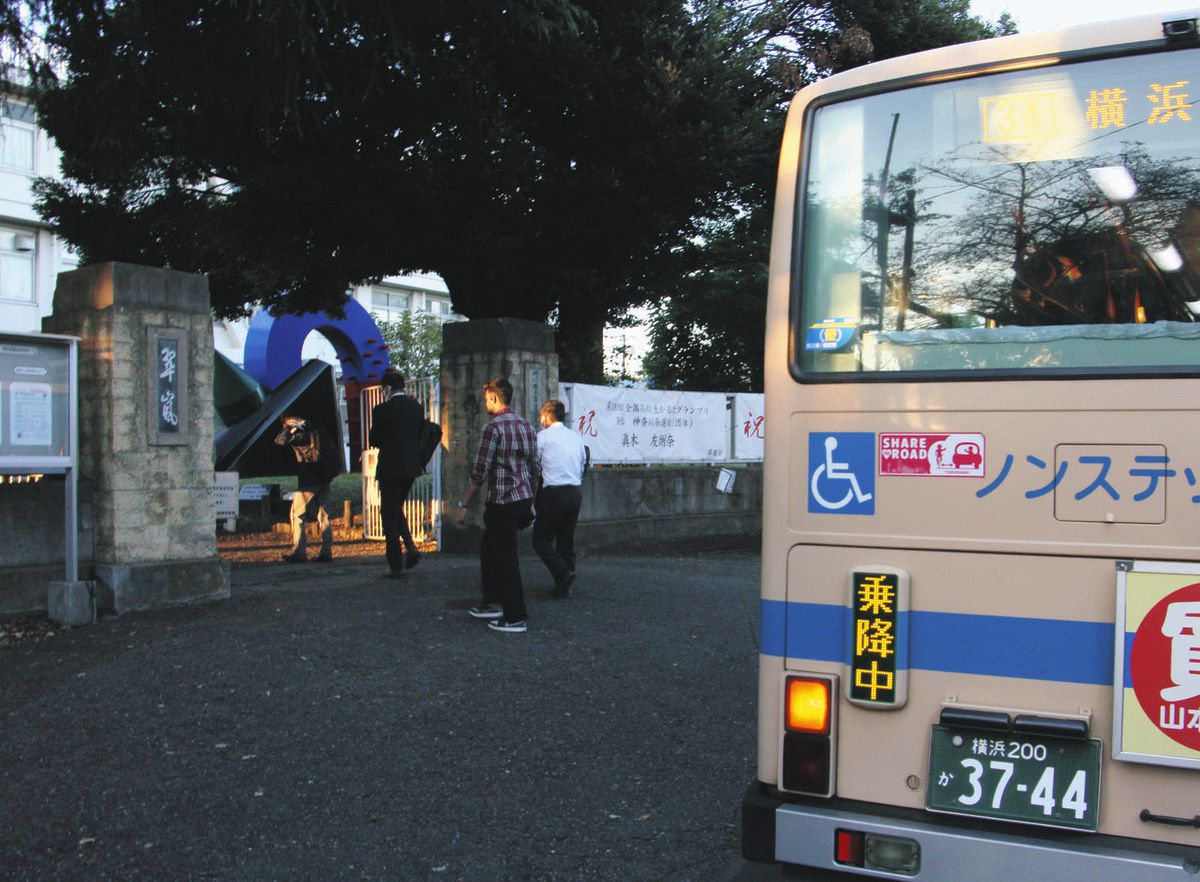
(1032, 779)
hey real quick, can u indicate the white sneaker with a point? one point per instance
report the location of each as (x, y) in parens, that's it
(509, 627)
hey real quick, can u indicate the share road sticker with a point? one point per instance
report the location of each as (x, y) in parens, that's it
(938, 456)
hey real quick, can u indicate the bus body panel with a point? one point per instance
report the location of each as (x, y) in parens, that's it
(967, 586)
(1038, 489)
(1020, 540)
(803, 835)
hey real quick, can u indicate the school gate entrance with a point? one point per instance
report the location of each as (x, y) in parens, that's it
(424, 505)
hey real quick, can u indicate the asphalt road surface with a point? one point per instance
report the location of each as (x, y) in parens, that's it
(327, 724)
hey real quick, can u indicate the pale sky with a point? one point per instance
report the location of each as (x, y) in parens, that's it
(1042, 15)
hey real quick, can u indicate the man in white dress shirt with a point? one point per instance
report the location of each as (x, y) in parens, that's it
(563, 459)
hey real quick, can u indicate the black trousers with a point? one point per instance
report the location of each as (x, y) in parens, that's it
(554, 529)
(392, 494)
(499, 567)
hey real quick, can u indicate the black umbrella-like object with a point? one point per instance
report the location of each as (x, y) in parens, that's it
(248, 447)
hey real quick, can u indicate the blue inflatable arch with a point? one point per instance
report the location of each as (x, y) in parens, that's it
(274, 344)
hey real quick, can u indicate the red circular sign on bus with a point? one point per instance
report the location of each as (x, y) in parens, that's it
(1164, 665)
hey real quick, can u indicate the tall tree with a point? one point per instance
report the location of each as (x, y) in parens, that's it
(709, 335)
(541, 155)
(414, 343)
(888, 28)
(708, 330)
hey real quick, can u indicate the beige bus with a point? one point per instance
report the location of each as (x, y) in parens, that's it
(980, 641)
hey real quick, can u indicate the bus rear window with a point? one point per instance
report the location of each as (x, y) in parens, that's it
(1033, 220)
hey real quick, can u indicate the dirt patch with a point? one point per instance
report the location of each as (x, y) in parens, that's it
(267, 547)
(25, 631)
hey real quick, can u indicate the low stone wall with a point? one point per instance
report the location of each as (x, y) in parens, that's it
(623, 508)
(677, 506)
(652, 507)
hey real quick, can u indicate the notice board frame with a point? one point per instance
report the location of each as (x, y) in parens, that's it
(39, 418)
(1128, 744)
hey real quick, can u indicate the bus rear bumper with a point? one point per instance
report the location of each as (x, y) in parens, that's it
(806, 835)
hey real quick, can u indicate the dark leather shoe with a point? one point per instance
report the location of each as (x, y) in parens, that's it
(562, 587)
(324, 558)
(412, 559)
(293, 558)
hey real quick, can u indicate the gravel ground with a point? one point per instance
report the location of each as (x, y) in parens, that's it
(328, 724)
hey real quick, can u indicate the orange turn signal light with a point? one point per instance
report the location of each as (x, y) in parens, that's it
(807, 705)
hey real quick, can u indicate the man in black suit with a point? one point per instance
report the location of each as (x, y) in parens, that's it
(396, 432)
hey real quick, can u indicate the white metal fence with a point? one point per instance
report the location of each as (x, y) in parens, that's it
(424, 505)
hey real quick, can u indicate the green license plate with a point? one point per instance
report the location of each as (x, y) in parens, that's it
(1010, 777)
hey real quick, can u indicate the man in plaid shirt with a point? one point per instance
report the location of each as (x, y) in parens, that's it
(507, 461)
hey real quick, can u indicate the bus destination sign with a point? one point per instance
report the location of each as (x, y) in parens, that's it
(878, 638)
(1049, 121)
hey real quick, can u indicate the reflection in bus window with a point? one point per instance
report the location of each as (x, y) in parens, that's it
(1036, 219)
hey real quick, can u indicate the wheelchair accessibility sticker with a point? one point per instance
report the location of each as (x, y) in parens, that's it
(841, 473)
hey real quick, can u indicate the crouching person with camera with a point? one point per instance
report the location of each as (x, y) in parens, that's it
(317, 463)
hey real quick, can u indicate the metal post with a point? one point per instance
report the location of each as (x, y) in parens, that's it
(71, 525)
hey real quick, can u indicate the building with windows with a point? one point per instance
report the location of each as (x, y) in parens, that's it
(31, 257)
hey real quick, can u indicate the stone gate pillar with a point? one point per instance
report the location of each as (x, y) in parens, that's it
(145, 430)
(472, 353)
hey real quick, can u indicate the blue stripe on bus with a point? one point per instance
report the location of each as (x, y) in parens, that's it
(822, 625)
(1002, 646)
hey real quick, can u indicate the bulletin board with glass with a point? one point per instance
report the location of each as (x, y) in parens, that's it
(36, 402)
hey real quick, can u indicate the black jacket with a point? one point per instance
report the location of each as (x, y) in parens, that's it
(306, 443)
(396, 431)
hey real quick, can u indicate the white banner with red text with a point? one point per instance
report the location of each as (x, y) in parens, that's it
(649, 425)
(749, 426)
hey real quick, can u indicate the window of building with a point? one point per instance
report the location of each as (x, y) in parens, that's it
(389, 305)
(440, 308)
(68, 257)
(16, 265)
(16, 145)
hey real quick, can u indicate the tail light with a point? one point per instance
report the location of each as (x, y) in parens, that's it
(848, 847)
(808, 744)
(808, 701)
(874, 851)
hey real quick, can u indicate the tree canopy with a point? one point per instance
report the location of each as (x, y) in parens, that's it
(561, 159)
(414, 343)
(542, 156)
(707, 331)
